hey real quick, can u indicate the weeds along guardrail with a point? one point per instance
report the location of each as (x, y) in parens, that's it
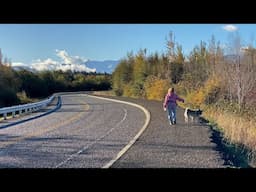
(26, 108)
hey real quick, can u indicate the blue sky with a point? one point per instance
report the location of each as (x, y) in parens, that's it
(34, 43)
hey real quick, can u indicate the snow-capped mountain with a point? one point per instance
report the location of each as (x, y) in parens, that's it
(68, 62)
(107, 66)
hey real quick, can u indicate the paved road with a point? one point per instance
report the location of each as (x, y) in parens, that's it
(84, 133)
(88, 133)
(165, 146)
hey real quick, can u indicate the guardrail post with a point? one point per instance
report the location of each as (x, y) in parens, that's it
(13, 114)
(5, 116)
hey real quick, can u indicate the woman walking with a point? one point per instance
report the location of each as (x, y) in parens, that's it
(170, 104)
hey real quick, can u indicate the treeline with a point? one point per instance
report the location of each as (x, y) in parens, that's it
(20, 86)
(208, 74)
(141, 76)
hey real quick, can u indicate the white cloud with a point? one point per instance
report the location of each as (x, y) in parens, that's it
(47, 64)
(18, 64)
(70, 59)
(73, 63)
(230, 28)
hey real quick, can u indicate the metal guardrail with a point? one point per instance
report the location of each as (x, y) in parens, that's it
(26, 108)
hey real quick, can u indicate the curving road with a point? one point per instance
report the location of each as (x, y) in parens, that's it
(86, 132)
(91, 132)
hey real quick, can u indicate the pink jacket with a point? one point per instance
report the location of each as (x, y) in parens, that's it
(171, 99)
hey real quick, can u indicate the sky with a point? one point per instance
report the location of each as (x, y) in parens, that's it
(49, 45)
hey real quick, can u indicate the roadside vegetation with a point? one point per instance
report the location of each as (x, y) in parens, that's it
(221, 81)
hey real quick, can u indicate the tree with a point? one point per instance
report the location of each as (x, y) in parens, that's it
(240, 70)
(176, 72)
(1, 57)
(212, 55)
(170, 44)
(9, 78)
(197, 69)
(32, 84)
(176, 60)
(122, 75)
(50, 82)
(139, 72)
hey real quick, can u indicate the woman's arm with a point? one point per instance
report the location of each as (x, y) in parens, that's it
(180, 99)
(165, 101)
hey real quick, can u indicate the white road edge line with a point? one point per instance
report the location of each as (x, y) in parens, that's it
(123, 151)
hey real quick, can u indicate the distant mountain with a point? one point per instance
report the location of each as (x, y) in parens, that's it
(20, 68)
(107, 66)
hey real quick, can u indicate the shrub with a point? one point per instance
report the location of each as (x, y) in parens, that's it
(8, 97)
(212, 89)
(118, 92)
(24, 98)
(155, 88)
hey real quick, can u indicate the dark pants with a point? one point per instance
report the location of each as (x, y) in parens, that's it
(171, 109)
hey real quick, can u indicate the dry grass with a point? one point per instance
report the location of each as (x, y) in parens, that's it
(104, 93)
(24, 98)
(235, 128)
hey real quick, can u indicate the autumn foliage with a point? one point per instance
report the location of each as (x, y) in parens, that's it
(155, 88)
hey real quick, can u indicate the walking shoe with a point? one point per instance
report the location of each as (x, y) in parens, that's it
(174, 122)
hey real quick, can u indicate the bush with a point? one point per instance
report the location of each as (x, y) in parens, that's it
(128, 92)
(24, 98)
(207, 94)
(118, 92)
(155, 88)
(8, 97)
(212, 89)
(195, 99)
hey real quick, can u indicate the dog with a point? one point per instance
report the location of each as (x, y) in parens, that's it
(192, 114)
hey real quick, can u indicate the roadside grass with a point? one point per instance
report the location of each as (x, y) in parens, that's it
(239, 132)
(24, 98)
(104, 93)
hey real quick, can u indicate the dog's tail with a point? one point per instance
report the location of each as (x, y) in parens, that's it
(186, 114)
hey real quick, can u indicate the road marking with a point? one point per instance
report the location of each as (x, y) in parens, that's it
(45, 130)
(95, 141)
(110, 163)
(125, 149)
